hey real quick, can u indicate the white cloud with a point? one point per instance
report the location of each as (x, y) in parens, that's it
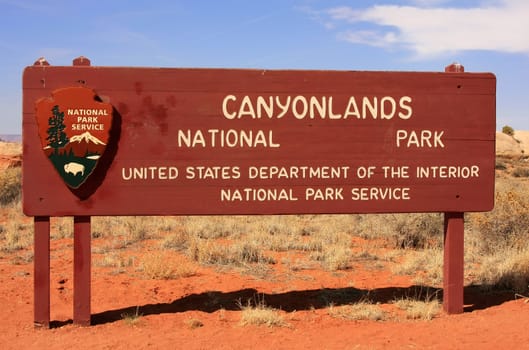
(432, 31)
(429, 2)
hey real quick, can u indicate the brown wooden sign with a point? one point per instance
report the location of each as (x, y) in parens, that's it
(231, 141)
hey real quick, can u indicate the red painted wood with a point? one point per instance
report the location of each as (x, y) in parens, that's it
(82, 268)
(41, 277)
(455, 68)
(453, 270)
(153, 104)
(41, 62)
(81, 61)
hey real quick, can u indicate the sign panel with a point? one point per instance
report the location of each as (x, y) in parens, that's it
(229, 141)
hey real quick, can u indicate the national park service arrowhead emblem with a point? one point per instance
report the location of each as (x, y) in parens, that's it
(74, 130)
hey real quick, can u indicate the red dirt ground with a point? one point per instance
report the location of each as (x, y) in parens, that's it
(491, 321)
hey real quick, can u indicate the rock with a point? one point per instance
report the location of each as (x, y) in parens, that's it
(507, 146)
(523, 137)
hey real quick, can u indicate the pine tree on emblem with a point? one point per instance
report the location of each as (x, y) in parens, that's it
(57, 138)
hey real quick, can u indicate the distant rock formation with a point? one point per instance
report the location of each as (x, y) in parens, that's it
(11, 138)
(512, 146)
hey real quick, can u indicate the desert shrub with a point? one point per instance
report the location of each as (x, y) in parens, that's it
(418, 231)
(507, 225)
(10, 186)
(62, 227)
(520, 172)
(16, 236)
(276, 225)
(278, 234)
(425, 265)
(333, 257)
(500, 165)
(507, 130)
(140, 227)
(206, 252)
(507, 269)
(403, 230)
(330, 248)
(178, 240)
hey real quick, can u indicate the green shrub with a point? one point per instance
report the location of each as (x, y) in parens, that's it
(507, 130)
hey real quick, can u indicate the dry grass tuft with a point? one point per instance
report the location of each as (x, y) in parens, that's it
(334, 257)
(117, 261)
(160, 266)
(362, 310)
(419, 309)
(261, 315)
(132, 318)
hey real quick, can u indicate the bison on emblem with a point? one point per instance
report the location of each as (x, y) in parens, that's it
(74, 168)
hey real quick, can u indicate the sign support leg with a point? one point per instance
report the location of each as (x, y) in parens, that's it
(453, 270)
(41, 271)
(82, 267)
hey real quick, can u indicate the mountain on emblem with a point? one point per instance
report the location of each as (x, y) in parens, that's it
(74, 128)
(87, 138)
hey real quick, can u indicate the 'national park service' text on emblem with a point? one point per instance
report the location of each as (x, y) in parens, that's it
(74, 129)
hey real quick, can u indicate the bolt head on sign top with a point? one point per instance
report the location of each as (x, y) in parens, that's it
(74, 130)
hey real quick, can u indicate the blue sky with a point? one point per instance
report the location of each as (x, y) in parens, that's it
(413, 35)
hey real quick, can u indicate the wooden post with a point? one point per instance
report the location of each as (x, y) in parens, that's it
(81, 255)
(453, 270)
(454, 251)
(41, 271)
(41, 260)
(82, 267)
